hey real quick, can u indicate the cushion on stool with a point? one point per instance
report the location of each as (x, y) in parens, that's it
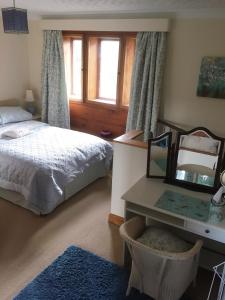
(163, 240)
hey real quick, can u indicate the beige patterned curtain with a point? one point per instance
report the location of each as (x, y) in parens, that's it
(55, 108)
(146, 82)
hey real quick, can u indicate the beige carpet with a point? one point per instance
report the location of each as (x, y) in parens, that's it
(29, 243)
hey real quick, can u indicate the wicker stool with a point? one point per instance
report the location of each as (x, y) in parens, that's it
(160, 274)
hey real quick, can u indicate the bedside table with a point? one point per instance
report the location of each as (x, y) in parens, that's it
(36, 117)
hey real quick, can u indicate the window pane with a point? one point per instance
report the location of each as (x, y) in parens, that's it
(92, 68)
(68, 63)
(77, 69)
(130, 45)
(109, 54)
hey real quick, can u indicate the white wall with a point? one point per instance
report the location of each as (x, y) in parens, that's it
(129, 165)
(190, 40)
(14, 74)
(34, 43)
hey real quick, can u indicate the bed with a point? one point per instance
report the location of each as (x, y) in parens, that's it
(47, 165)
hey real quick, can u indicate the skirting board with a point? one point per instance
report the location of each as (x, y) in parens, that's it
(116, 220)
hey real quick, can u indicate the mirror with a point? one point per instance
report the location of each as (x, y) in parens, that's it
(222, 178)
(198, 159)
(158, 158)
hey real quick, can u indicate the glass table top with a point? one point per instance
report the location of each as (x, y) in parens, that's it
(184, 205)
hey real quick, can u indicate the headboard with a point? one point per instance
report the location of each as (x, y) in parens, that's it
(10, 102)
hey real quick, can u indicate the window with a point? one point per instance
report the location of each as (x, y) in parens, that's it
(77, 68)
(99, 66)
(108, 69)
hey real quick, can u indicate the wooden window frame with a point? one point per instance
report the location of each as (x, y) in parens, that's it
(100, 35)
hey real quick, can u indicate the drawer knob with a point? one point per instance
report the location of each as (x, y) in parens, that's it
(207, 231)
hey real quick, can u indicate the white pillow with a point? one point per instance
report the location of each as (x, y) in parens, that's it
(12, 114)
(16, 133)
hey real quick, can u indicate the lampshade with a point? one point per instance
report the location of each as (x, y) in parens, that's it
(14, 20)
(29, 96)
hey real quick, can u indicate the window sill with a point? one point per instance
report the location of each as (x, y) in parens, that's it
(104, 101)
(98, 103)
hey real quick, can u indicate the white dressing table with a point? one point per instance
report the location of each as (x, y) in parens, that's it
(142, 197)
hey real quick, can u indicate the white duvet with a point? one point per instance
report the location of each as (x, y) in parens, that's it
(39, 165)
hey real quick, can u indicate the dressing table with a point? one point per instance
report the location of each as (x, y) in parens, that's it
(142, 199)
(180, 181)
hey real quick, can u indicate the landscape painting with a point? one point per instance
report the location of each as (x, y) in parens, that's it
(211, 81)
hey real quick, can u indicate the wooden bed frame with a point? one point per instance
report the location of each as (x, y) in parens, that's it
(10, 102)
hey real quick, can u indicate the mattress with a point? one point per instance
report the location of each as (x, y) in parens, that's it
(91, 174)
(49, 164)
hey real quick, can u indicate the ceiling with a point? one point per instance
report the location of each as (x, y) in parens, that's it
(68, 8)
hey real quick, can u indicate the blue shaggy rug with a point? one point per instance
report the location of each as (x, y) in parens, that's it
(80, 275)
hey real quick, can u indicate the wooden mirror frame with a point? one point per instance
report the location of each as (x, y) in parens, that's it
(168, 165)
(195, 186)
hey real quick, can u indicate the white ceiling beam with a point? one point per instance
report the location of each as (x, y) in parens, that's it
(127, 25)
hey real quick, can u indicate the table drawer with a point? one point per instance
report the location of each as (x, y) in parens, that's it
(206, 231)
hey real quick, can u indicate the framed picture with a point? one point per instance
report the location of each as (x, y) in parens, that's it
(211, 81)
